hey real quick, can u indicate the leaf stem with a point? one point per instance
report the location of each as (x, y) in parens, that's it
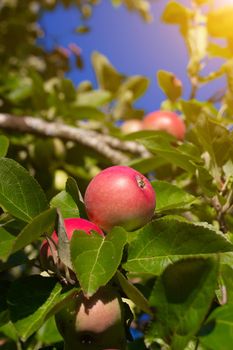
(197, 344)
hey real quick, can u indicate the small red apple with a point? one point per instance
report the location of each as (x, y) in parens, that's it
(167, 121)
(93, 323)
(71, 224)
(120, 196)
(131, 125)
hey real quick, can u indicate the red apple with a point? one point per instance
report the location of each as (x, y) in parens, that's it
(167, 121)
(120, 196)
(131, 125)
(71, 224)
(93, 323)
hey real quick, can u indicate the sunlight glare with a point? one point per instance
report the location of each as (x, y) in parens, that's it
(222, 3)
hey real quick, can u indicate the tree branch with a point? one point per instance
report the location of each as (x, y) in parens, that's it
(108, 146)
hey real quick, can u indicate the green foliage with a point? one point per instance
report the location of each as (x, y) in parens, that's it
(170, 85)
(219, 22)
(184, 286)
(169, 239)
(133, 293)
(48, 333)
(41, 224)
(96, 259)
(217, 330)
(175, 13)
(65, 203)
(108, 77)
(6, 243)
(170, 197)
(41, 299)
(73, 190)
(20, 194)
(171, 154)
(179, 267)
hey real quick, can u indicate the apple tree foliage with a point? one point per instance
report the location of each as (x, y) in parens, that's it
(54, 137)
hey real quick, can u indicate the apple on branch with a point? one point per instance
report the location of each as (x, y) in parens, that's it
(166, 121)
(120, 196)
(93, 323)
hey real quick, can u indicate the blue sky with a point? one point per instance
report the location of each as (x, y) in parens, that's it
(132, 46)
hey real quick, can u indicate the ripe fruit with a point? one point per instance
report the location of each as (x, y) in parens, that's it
(167, 121)
(119, 196)
(94, 323)
(71, 225)
(131, 125)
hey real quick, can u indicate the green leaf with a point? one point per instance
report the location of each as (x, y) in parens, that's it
(169, 84)
(88, 112)
(96, 259)
(182, 296)
(65, 203)
(133, 293)
(171, 154)
(164, 241)
(4, 144)
(41, 224)
(191, 109)
(6, 242)
(137, 85)
(21, 91)
(63, 242)
(9, 331)
(94, 98)
(205, 181)
(219, 22)
(228, 169)
(170, 197)
(138, 135)
(191, 150)
(215, 50)
(48, 333)
(107, 76)
(124, 108)
(39, 95)
(145, 165)
(217, 333)
(216, 140)
(40, 298)
(73, 190)
(68, 89)
(176, 13)
(20, 194)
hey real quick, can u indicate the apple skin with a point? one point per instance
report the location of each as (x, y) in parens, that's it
(93, 323)
(71, 224)
(167, 121)
(120, 196)
(131, 125)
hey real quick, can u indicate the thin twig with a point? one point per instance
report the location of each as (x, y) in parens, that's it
(108, 146)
